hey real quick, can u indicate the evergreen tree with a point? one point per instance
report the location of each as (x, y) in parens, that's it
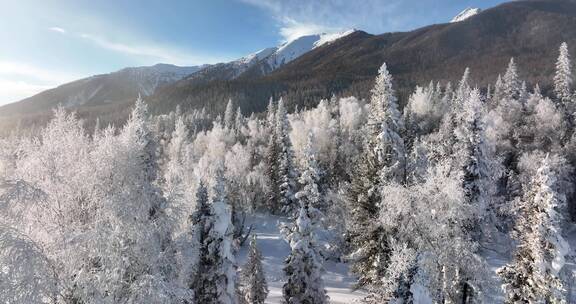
(303, 267)
(214, 279)
(511, 83)
(271, 115)
(272, 186)
(229, 115)
(498, 89)
(532, 277)
(253, 281)
(463, 90)
(310, 178)
(238, 120)
(480, 168)
(382, 160)
(385, 125)
(563, 77)
(286, 170)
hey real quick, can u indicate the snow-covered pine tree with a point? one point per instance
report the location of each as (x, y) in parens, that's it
(214, 279)
(382, 160)
(174, 172)
(303, 267)
(137, 126)
(498, 91)
(272, 180)
(443, 142)
(480, 172)
(271, 115)
(511, 83)
(532, 277)
(198, 223)
(563, 77)
(310, 178)
(480, 167)
(252, 279)
(385, 127)
(286, 170)
(463, 90)
(239, 120)
(229, 115)
(97, 130)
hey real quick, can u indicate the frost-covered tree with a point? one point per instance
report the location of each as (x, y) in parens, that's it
(303, 267)
(229, 115)
(286, 170)
(28, 275)
(463, 89)
(385, 126)
(475, 156)
(271, 115)
(272, 181)
(512, 86)
(532, 276)
(430, 249)
(383, 160)
(310, 178)
(214, 278)
(563, 77)
(174, 173)
(252, 279)
(239, 120)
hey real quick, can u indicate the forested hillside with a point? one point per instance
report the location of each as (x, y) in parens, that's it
(346, 67)
(462, 196)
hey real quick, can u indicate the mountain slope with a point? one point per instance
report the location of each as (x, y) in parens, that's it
(117, 88)
(530, 31)
(262, 62)
(102, 89)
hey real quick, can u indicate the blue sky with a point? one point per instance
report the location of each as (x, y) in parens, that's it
(49, 42)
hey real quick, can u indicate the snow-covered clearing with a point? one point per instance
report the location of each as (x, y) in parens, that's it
(275, 249)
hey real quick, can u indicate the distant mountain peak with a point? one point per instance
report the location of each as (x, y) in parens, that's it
(465, 14)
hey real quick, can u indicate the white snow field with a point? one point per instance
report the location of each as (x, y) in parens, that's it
(275, 249)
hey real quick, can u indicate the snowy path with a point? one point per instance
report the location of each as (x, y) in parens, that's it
(275, 249)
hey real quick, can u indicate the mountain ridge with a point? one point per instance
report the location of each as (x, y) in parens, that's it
(529, 30)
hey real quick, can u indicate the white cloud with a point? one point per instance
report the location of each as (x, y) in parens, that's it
(292, 29)
(166, 55)
(57, 29)
(302, 17)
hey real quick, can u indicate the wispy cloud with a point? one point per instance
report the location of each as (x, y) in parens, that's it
(167, 55)
(301, 17)
(292, 29)
(57, 29)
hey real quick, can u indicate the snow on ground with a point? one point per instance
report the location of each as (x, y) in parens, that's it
(569, 271)
(275, 249)
(496, 250)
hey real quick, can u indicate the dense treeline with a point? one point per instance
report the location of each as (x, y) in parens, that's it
(153, 211)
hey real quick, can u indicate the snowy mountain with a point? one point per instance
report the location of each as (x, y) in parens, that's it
(119, 85)
(267, 60)
(148, 78)
(105, 89)
(291, 50)
(126, 84)
(465, 14)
